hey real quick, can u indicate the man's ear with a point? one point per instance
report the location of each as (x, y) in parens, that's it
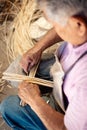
(79, 25)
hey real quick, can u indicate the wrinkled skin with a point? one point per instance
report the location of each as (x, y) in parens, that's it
(30, 58)
(28, 92)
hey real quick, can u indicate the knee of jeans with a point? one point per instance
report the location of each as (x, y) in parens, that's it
(8, 104)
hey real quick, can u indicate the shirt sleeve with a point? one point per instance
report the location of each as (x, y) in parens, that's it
(59, 52)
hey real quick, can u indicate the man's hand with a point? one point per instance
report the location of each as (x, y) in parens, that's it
(28, 92)
(30, 58)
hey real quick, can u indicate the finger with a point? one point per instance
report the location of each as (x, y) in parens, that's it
(24, 66)
(28, 68)
(30, 65)
(24, 63)
(22, 103)
(21, 96)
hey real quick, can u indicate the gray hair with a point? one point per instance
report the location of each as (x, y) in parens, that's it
(61, 10)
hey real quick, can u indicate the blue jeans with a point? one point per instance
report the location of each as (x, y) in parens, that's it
(24, 118)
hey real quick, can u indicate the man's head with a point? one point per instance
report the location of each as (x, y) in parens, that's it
(68, 14)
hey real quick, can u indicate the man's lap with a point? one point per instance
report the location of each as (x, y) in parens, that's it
(20, 117)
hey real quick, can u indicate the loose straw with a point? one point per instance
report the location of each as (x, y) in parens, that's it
(19, 40)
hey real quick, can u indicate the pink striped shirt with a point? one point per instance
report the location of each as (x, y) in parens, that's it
(75, 87)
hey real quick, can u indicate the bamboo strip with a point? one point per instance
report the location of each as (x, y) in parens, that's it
(35, 80)
(33, 71)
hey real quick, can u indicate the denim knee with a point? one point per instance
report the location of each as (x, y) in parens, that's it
(8, 104)
(20, 118)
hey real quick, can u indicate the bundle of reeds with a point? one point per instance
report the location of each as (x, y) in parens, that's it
(25, 29)
(18, 39)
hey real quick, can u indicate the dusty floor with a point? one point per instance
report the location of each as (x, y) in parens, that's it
(5, 90)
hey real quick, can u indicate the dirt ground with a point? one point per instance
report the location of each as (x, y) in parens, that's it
(5, 90)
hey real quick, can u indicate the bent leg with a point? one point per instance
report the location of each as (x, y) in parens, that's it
(18, 117)
(44, 73)
(44, 68)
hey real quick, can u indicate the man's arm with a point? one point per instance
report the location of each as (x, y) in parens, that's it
(33, 55)
(30, 94)
(52, 119)
(48, 40)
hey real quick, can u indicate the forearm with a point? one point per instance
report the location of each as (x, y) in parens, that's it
(51, 118)
(48, 40)
(30, 94)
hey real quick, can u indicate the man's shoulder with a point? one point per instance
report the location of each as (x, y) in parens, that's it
(61, 49)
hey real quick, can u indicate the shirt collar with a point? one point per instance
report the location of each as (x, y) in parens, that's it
(79, 49)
